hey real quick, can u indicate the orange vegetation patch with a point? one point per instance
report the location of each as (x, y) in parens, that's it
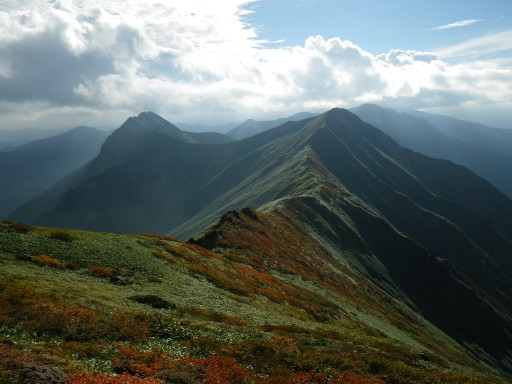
(84, 378)
(47, 260)
(100, 271)
(22, 305)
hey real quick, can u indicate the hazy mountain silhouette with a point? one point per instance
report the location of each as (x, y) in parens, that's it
(252, 127)
(199, 128)
(31, 168)
(211, 137)
(463, 147)
(494, 139)
(13, 138)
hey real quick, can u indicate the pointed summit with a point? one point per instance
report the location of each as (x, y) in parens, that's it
(151, 122)
(342, 116)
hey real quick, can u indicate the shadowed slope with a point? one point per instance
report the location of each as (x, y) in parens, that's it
(27, 171)
(416, 133)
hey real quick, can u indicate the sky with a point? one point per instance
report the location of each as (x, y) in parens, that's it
(65, 63)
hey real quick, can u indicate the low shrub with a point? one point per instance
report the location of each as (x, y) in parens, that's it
(101, 271)
(154, 279)
(61, 236)
(223, 370)
(121, 280)
(72, 266)
(354, 378)
(220, 280)
(132, 326)
(141, 363)
(73, 322)
(47, 260)
(183, 374)
(85, 378)
(153, 301)
(18, 227)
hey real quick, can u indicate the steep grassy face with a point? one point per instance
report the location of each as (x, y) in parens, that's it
(363, 250)
(83, 307)
(464, 244)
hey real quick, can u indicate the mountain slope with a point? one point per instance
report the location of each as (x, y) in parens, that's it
(429, 233)
(78, 306)
(123, 144)
(419, 135)
(30, 169)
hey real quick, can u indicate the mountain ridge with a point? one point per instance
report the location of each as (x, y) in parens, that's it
(428, 232)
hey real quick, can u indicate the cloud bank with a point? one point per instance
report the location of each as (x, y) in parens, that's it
(65, 63)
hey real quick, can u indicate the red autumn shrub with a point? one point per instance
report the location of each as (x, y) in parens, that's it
(354, 378)
(47, 260)
(70, 322)
(101, 271)
(225, 370)
(220, 370)
(141, 363)
(309, 378)
(85, 378)
(13, 298)
(132, 326)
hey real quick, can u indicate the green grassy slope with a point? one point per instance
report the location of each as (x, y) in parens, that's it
(82, 307)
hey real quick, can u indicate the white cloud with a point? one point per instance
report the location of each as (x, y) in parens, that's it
(200, 61)
(457, 24)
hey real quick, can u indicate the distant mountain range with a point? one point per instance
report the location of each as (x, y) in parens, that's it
(196, 127)
(494, 139)
(30, 169)
(485, 150)
(431, 234)
(252, 127)
(11, 139)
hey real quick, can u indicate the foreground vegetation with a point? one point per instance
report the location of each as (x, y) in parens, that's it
(81, 307)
